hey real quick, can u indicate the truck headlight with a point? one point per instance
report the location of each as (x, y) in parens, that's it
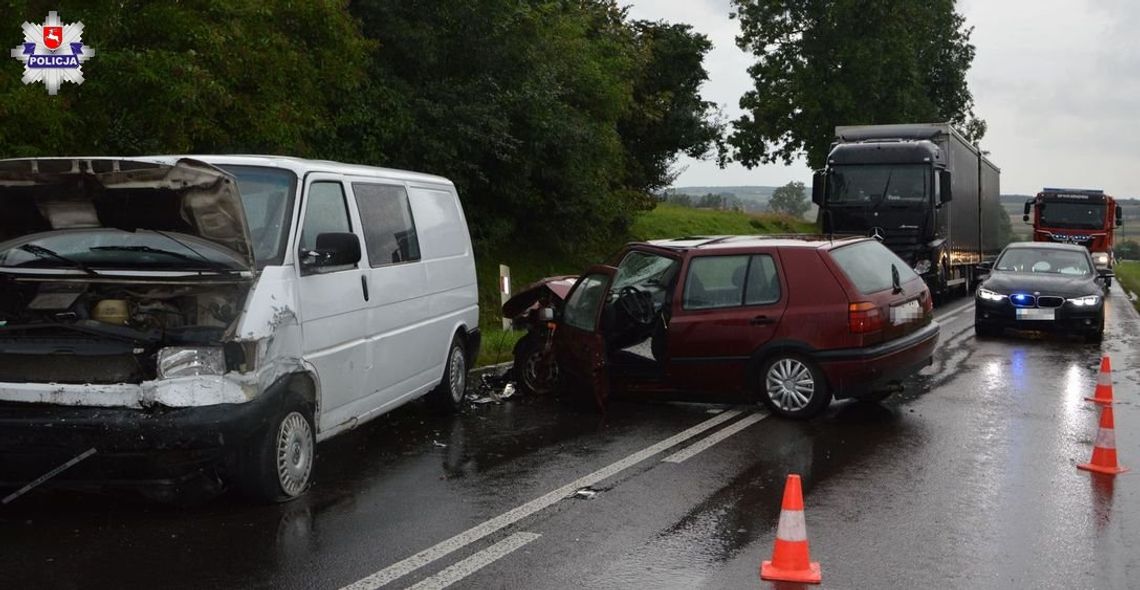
(922, 267)
(1100, 258)
(989, 295)
(180, 361)
(1086, 301)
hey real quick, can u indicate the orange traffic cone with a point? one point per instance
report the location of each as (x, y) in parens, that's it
(1104, 450)
(791, 560)
(1103, 393)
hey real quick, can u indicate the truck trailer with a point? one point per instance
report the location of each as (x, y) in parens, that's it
(1087, 217)
(923, 190)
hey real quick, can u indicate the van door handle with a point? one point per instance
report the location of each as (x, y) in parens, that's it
(364, 285)
(761, 320)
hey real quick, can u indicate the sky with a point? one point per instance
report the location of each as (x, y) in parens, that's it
(1058, 82)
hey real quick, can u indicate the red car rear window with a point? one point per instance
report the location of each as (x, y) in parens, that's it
(868, 266)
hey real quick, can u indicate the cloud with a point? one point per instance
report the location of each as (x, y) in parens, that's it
(1058, 81)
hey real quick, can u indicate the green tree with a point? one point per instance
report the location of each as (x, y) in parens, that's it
(790, 199)
(668, 116)
(845, 62)
(193, 76)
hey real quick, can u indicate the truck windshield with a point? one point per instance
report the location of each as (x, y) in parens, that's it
(869, 184)
(1072, 215)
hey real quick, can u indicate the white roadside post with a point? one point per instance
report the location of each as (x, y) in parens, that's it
(505, 291)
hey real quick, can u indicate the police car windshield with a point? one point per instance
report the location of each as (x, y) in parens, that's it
(1044, 260)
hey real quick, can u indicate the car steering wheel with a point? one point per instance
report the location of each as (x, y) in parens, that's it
(637, 305)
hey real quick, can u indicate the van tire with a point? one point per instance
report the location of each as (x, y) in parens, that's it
(795, 369)
(452, 389)
(277, 466)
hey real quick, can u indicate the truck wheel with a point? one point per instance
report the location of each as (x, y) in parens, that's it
(449, 394)
(793, 387)
(278, 464)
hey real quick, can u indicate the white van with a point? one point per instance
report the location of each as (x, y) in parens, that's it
(209, 319)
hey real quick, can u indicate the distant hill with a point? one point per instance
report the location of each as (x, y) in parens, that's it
(755, 194)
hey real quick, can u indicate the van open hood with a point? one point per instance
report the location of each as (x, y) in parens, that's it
(187, 196)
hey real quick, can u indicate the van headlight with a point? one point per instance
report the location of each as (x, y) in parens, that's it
(180, 361)
(1086, 301)
(922, 267)
(1100, 258)
(988, 295)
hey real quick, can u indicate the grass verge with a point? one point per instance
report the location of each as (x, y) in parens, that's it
(1128, 275)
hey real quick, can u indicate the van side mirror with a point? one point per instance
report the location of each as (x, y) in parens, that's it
(945, 187)
(819, 187)
(333, 249)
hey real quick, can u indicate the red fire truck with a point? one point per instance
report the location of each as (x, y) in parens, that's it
(1076, 216)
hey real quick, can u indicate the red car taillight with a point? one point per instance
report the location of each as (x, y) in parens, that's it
(864, 317)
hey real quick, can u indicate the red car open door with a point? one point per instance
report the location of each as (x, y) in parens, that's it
(579, 344)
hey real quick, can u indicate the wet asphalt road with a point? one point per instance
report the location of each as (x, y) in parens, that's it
(965, 480)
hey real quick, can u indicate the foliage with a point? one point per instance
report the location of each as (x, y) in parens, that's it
(555, 119)
(790, 199)
(1127, 250)
(668, 115)
(194, 76)
(847, 62)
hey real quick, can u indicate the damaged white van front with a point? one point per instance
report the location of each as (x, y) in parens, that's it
(142, 319)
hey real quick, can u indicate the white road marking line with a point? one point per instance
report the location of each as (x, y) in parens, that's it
(714, 438)
(415, 562)
(476, 562)
(49, 475)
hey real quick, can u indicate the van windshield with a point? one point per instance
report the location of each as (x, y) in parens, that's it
(267, 196)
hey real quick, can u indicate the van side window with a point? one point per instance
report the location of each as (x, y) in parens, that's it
(763, 285)
(389, 230)
(326, 212)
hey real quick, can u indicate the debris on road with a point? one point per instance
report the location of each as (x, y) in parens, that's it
(586, 494)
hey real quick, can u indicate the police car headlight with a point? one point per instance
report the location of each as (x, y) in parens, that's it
(1100, 258)
(922, 267)
(1086, 301)
(988, 295)
(178, 361)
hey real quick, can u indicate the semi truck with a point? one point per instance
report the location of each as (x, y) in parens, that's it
(1087, 217)
(922, 189)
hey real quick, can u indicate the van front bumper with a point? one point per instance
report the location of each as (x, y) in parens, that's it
(165, 449)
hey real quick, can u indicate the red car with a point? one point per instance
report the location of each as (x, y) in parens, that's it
(795, 321)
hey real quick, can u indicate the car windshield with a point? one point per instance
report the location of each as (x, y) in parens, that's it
(869, 184)
(1044, 260)
(1072, 215)
(644, 268)
(267, 196)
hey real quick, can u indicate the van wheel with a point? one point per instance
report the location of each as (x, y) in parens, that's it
(449, 394)
(793, 387)
(278, 466)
